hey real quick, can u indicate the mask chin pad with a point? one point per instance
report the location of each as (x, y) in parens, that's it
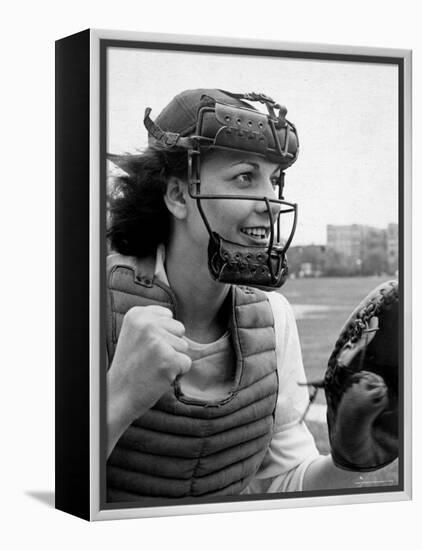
(232, 263)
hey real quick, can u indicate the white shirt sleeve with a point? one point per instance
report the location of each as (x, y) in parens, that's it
(292, 447)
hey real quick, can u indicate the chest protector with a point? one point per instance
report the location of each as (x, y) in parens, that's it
(184, 447)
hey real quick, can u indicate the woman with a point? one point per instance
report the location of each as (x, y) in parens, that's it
(203, 394)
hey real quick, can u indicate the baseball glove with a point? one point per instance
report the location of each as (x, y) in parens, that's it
(361, 384)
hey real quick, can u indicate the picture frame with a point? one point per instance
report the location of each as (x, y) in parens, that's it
(104, 80)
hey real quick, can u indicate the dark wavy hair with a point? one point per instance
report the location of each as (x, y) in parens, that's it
(138, 219)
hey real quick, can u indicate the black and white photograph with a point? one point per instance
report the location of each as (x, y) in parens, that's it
(253, 308)
(210, 275)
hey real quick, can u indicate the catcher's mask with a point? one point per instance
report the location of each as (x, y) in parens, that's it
(204, 120)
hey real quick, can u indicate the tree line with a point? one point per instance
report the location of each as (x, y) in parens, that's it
(321, 261)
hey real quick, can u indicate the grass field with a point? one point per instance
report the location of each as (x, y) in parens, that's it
(321, 307)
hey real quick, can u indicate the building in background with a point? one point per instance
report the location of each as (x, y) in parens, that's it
(346, 240)
(361, 249)
(351, 250)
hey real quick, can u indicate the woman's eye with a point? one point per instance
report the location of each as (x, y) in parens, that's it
(247, 179)
(244, 178)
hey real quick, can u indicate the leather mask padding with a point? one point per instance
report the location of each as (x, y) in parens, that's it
(228, 127)
(231, 263)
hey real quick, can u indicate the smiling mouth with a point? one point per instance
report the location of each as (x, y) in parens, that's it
(260, 233)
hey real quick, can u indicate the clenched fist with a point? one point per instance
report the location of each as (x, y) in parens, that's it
(150, 353)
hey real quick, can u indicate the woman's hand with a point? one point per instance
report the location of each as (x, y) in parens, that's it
(150, 353)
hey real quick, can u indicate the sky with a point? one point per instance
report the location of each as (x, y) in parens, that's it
(346, 114)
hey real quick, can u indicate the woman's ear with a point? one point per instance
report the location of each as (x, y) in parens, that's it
(175, 197)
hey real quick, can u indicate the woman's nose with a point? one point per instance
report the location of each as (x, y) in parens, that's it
(265, 204)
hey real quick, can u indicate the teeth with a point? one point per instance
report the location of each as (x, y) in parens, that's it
(259, 232)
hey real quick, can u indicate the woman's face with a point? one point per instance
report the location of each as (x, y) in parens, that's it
(244, 222)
